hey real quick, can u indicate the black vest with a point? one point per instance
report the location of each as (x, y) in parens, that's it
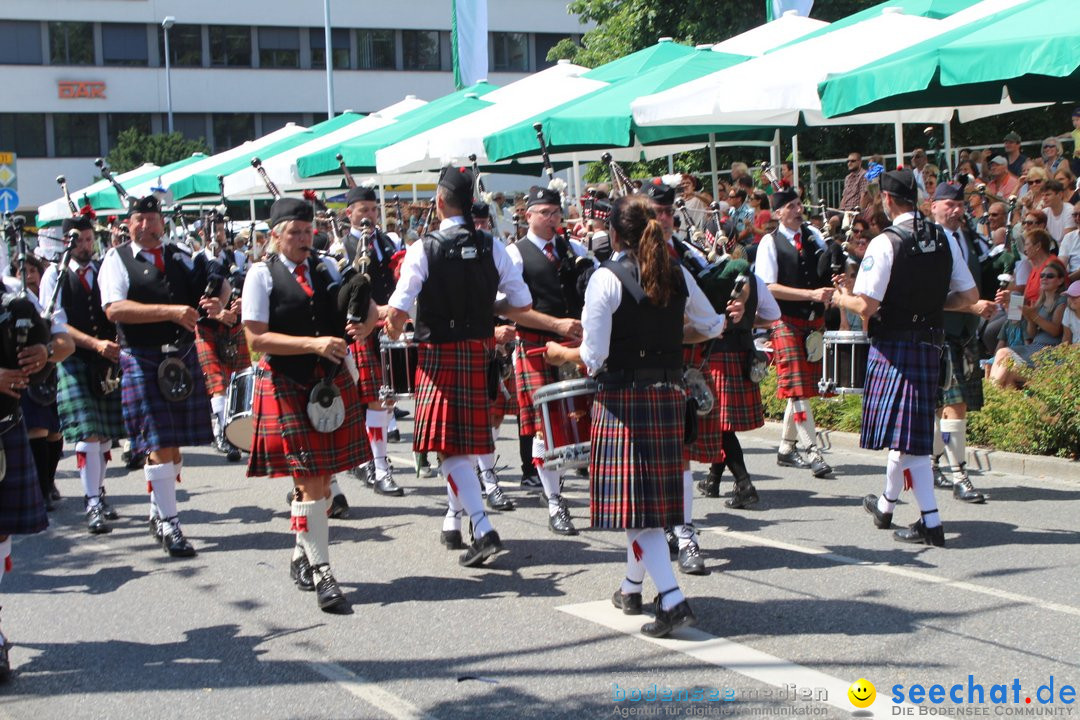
(543, 278)
(382, 277)
(84, 311)
(918, 283)
(644, 336)
(292, 312)
(740, 335)
(146, 284)
(963, 326)
(800, 270)
(456, 300)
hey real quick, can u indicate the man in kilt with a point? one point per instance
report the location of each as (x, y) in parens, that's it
(88, 397)
(293, 316)
(794, 264)
(908, 275)
(153, 292)
(633, 319)
(22, 506)
(965, 392)
(453, 276)
(545, 259)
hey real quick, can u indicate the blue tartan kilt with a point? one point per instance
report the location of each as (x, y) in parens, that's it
(84, 414)
(22, 509)
(636, 458)
(36, 416)
(900, 396)
(153, 422)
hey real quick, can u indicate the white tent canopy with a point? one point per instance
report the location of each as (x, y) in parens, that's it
(756, 41)
(58, 209)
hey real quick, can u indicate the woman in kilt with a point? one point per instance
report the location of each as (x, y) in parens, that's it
(633, 334)
(292, 316)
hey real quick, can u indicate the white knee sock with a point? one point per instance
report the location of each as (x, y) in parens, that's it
(162, 479)
(376, 432)
(922, 485)
(656, 558)
(487, 462)
(787, 437)
(179, 467)
(894, 483)
(939, 444)
(686, 532)
(461, 478)
(454, 509)
(803, 416)
(552, 482)
(391, 422)
(88, 457)
(312, 530)
(217, 406)
(105, 448)
(335, 489)
(635, 571)
(954, 433)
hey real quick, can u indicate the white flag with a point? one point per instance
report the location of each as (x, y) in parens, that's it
(469, 41)
(776, 8)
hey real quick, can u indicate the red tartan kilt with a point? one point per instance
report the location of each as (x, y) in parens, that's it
(210, 346)
(369, 365)
(453, 411)
(531, 373)
(286, 444)
(796, 376)
(502, 405)
(738, 404)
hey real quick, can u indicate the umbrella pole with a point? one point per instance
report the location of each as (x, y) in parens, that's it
(251, 209)
(795, 161)
(414, 193)
(382, 204)
(898, 133)
(774, 150)
(948, 147)
(712, 163)
(577, 178)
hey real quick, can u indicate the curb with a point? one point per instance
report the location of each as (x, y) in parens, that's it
(982, 459)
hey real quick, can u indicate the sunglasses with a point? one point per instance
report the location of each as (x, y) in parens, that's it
(857, 231)
(1028, 222)
(1049, 276)
(1034, 182)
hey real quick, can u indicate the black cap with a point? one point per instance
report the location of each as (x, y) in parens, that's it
(147, 204)
(285, 209)
(481, 210)
(660, 192)
(780, 198)
(949, 191)
(80, 222)
(459, 181)
(359, 193)
(900, 183)
(542, 196)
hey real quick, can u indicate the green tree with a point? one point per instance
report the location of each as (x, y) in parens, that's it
(134, 147)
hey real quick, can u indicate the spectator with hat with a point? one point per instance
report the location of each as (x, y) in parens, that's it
(1003, 182)
(1015, 158)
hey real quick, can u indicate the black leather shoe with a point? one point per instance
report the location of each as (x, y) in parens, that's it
(155, 528)
(882, 520)
(531, 481)
(487, 546)
(339, 507)
(134, 461)
(672, 543)
(792, 459)
(385, 485)
(399, 413)
(964, 491)
(918, 533)
(497, 500)
(107, 510)
(393, 436)
(452, 540)
(690, 560)
(173, 540)
(327, 592)
(365, 472)
(818, 467)
(560, 523)
(630, 604)
(710, 486)
(95, 521)
(744, 495)
(940, 481)
(300, 572)
(668, 620)
(290, 496)
(232, 453)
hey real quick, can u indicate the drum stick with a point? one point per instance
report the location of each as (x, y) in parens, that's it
(543, 349)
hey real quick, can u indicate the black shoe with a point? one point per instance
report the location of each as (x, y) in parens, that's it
(560, 523)
(744, 495)
(220, 444)
(668, 620)
(964, 491)
(173, 540)
(792, 459)
(384, 484)
(365, 472)
(481, 550)
(531, 481)
(452, 540)
(301, 574)
(290, 497)
(690, 560)
(940, 481)
(882, 520)
(630, 604)
(54, 494)
(497, 500)
(327, 592)
(155, 528)
(232, 453)
(5, 661)
(95, 520)
(672, 543)
(710, 486)
(134, 461)
(918, 533)
(818, 467)
(339, 507)
(393, 436)
(107, 510)
(399, 413)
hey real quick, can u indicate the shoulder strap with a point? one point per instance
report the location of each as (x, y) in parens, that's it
(626, 278)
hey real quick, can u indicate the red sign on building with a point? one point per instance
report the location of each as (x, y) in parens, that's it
(76, 89)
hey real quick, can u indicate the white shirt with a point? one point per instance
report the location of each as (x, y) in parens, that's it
(602, 299)
(515, 254)
(114, 280)
(376, 246)
(414, 271)
(1069, 251)
(259, 283)
(766, 265)
(876, 268)
(50, 276)
(767, 307)
(1072, 321)
(59, 320)
(1056, 224)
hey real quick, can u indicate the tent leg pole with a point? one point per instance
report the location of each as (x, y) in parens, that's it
(382, 204)
(795, 161)
(577, 178)
(948, 147)
(898, 133)
(251, 208)
(774, 151)
(712, 163)
(671, 164)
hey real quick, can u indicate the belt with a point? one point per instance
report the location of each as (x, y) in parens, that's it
(932, 336)
(640, 376)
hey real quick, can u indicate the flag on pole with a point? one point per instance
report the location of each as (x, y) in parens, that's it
(775, 8)
(469, 41)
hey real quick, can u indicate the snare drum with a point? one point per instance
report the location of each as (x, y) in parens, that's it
(239, 422)
(399, 359)
(566, 410)
(843, 362)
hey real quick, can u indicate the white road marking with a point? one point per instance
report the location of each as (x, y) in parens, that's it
(370, 692)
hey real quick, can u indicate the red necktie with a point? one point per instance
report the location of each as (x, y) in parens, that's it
(798, 241)
(549, 251)
(82, 278)
(159, 261)
(301, 278)
(673, 252)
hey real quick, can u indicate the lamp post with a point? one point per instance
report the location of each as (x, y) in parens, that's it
(166, 25)
(329, 54)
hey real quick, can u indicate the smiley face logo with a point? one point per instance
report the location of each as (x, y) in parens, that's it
(862, 693)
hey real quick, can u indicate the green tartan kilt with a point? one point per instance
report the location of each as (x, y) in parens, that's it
(82, 413)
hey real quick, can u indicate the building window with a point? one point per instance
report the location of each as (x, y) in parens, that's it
(375, 49)
(124, 44)
(543, 43)
(509, 52)
(116, 123)
(276, 121)
(20, 43)
(232, 129)
(340, 40)
(71, 43)
(420, 49)
(76, 135)
(23, 133)
(185, 46)
(230, 46)
(279, 47)
(191, 125)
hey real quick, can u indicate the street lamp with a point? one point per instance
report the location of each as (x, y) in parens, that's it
(166, 25)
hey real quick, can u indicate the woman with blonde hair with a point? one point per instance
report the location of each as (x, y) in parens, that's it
(1042, 325)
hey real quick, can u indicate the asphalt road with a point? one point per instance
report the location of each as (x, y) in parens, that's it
(804, 597)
